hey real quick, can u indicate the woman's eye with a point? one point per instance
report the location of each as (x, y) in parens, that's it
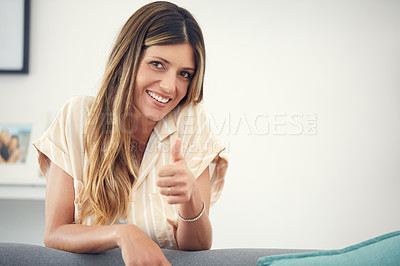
(157, 64)
(186, 75)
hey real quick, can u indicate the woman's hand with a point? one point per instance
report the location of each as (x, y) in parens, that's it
(137, 248)
(178, 183)
(175, 180)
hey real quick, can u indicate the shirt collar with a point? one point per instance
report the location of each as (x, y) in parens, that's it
(166, 126)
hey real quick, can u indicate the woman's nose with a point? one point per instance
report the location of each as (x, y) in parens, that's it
(168, 82)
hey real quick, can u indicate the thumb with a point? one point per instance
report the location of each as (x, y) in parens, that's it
(176, 151)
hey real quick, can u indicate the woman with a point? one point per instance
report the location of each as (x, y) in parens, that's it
(14, 150)
(4, 141)
(137, 167)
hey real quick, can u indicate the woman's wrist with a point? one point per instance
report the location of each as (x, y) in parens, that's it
(117, 234)
(193, 207)
(120, 232)
(194, 219)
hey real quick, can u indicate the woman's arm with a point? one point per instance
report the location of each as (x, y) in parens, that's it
(196, 235)
(177, 182)
(62, 233)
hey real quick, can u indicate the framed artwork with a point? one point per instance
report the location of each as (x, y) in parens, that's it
(14, 36)
(18, 157)
(14, 143)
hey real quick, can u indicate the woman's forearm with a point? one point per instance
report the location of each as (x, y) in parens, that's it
(195, 235)
(83, 238)
(177, 182)
(136, 246)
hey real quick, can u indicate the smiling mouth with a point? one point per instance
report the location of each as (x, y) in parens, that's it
(157, 97)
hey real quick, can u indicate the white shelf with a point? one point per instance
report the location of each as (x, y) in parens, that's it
(24, 189)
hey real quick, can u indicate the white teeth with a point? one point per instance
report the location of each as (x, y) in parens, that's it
(158, 98)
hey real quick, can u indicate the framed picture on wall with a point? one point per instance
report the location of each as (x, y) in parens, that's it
(14, 36)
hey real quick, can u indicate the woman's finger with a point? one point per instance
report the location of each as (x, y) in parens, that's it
(164, 182)
(171, 170)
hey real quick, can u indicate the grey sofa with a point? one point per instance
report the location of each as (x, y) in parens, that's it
(25, 254)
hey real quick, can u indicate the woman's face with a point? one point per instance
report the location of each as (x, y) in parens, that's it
(4, 137)
(162, 80)
(13, 144)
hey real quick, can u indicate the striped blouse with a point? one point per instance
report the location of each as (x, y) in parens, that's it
(62, 144)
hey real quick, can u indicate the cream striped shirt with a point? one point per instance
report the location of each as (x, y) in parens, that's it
(62, 144)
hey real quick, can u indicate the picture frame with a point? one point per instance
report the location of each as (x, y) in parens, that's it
(14, 36)
(14, 143)
(25, 172)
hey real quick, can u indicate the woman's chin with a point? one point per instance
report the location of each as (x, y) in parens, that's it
(155, 117)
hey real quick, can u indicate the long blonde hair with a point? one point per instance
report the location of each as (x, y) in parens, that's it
(112, 165)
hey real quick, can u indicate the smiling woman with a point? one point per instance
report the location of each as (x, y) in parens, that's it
(125, 168)
(162, 81)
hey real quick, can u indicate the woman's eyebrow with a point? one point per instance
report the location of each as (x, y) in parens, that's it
(162, 59)
(167, 62)
(189, 69)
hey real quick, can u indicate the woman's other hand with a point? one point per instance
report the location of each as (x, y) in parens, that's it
(62, 233)
(137, 248)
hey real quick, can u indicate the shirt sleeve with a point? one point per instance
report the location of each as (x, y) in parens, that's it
(201, 148)
(62, 143)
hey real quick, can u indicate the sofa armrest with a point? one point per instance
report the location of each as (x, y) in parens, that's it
(26, 254)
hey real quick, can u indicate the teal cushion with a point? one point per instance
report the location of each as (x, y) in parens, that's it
(382, 250)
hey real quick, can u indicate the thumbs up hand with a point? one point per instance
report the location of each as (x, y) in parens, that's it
(175, 180)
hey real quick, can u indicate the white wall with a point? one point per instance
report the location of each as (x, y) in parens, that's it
(272, 66)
